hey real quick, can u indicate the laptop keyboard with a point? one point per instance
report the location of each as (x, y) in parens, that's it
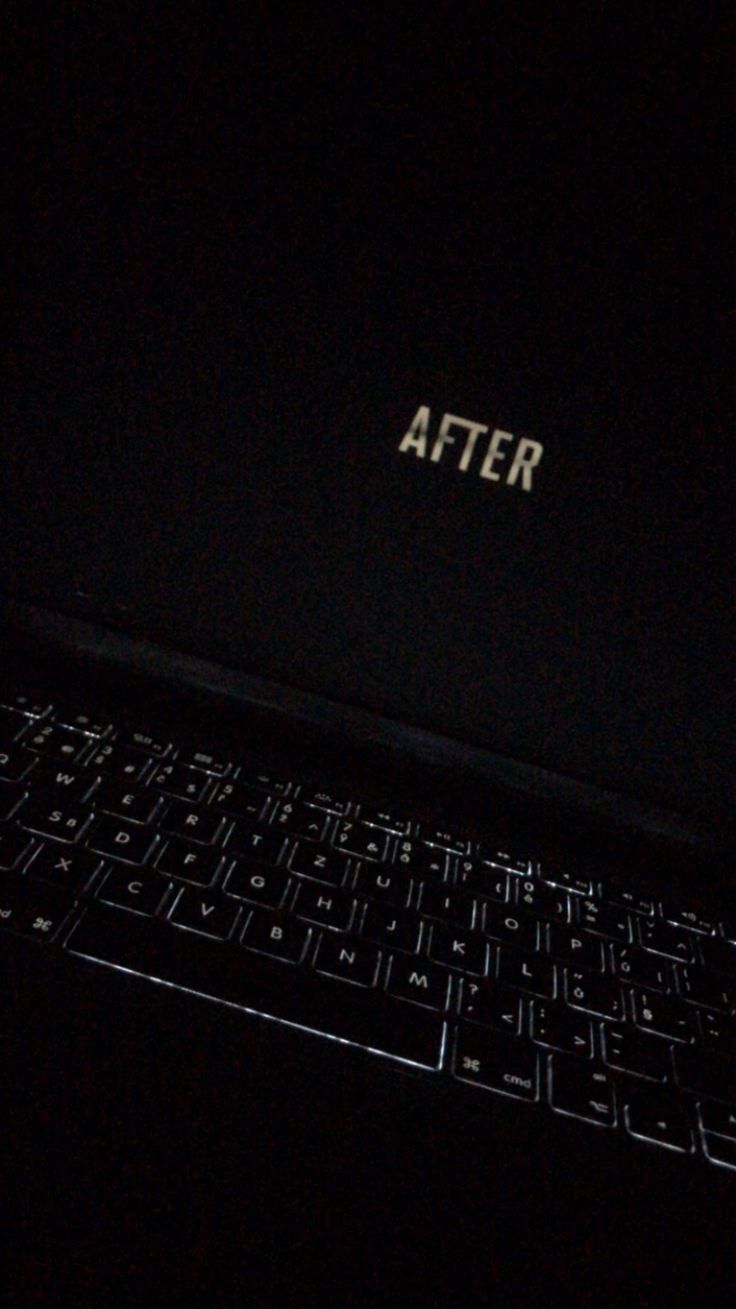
(584, 997)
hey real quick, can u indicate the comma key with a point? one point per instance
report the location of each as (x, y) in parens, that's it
(491, 1005)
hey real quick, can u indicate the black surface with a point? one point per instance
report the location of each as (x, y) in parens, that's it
(245, 253)
(248, 250)
(161, 1148)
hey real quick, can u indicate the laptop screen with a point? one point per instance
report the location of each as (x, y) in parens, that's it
(430, 424)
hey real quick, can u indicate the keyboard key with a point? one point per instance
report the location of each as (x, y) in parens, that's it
(467, 951)
(13, 844)
(55, 742)
(662, 938)
(546, 901)
(12, 726)
(618, 892)
(386, 925)
(261, 985)
(134, 803)
(142, 893)
(321, 864)
(720, 1150)
(418, 981)
(209, 915)
(117, 839)
(718, 1030)
(566, 880)
(365, 842)
(658, 1115)
(257, 883)
(526, 972)
(323, 800)
(728, 928)
(444, 840)
(204, 762)
(663, 1014)
(571, 946)
(15, 762)
(145, 742)
(719, 955)
(582, 1090)
(720, 1118)
(496, 1062)
(632, 1052)
(490, 1004)
(386, 819)
(177, 780)
(73, 784)
(556, 1027)
(63, 821)
(200, 825)
(256, 842)
(32, 909)
(503, 924)
(116, 763)
(594, 994)
(702, 987)
(508, 858)
(707, 1074)
(10, 797)
(423, 861)
(384, 884)
(25, 705)
(449, 905)
(240, 800)
(688, 916)
(69, 867)
(325, 905)
(301, 820)
(275, 935)
(634, 964)
(351, 960)
(260, 780)
(188, 862)
(486, 881)
(604, 920)
(89, 725)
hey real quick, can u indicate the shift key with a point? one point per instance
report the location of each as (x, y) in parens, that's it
(276, 989)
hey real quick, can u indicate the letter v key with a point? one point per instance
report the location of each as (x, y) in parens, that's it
(211, 917)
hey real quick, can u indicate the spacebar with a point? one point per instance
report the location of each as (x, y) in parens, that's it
(283, 991)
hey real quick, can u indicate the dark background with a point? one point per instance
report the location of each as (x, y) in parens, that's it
(246, 249)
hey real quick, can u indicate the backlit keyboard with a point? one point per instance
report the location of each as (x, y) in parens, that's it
(580, 996)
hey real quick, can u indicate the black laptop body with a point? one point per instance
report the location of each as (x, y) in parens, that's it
(366, 726)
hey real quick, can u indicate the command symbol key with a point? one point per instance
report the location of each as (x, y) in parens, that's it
(497, 1062)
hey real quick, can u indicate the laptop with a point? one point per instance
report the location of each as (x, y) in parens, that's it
(365, 719)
